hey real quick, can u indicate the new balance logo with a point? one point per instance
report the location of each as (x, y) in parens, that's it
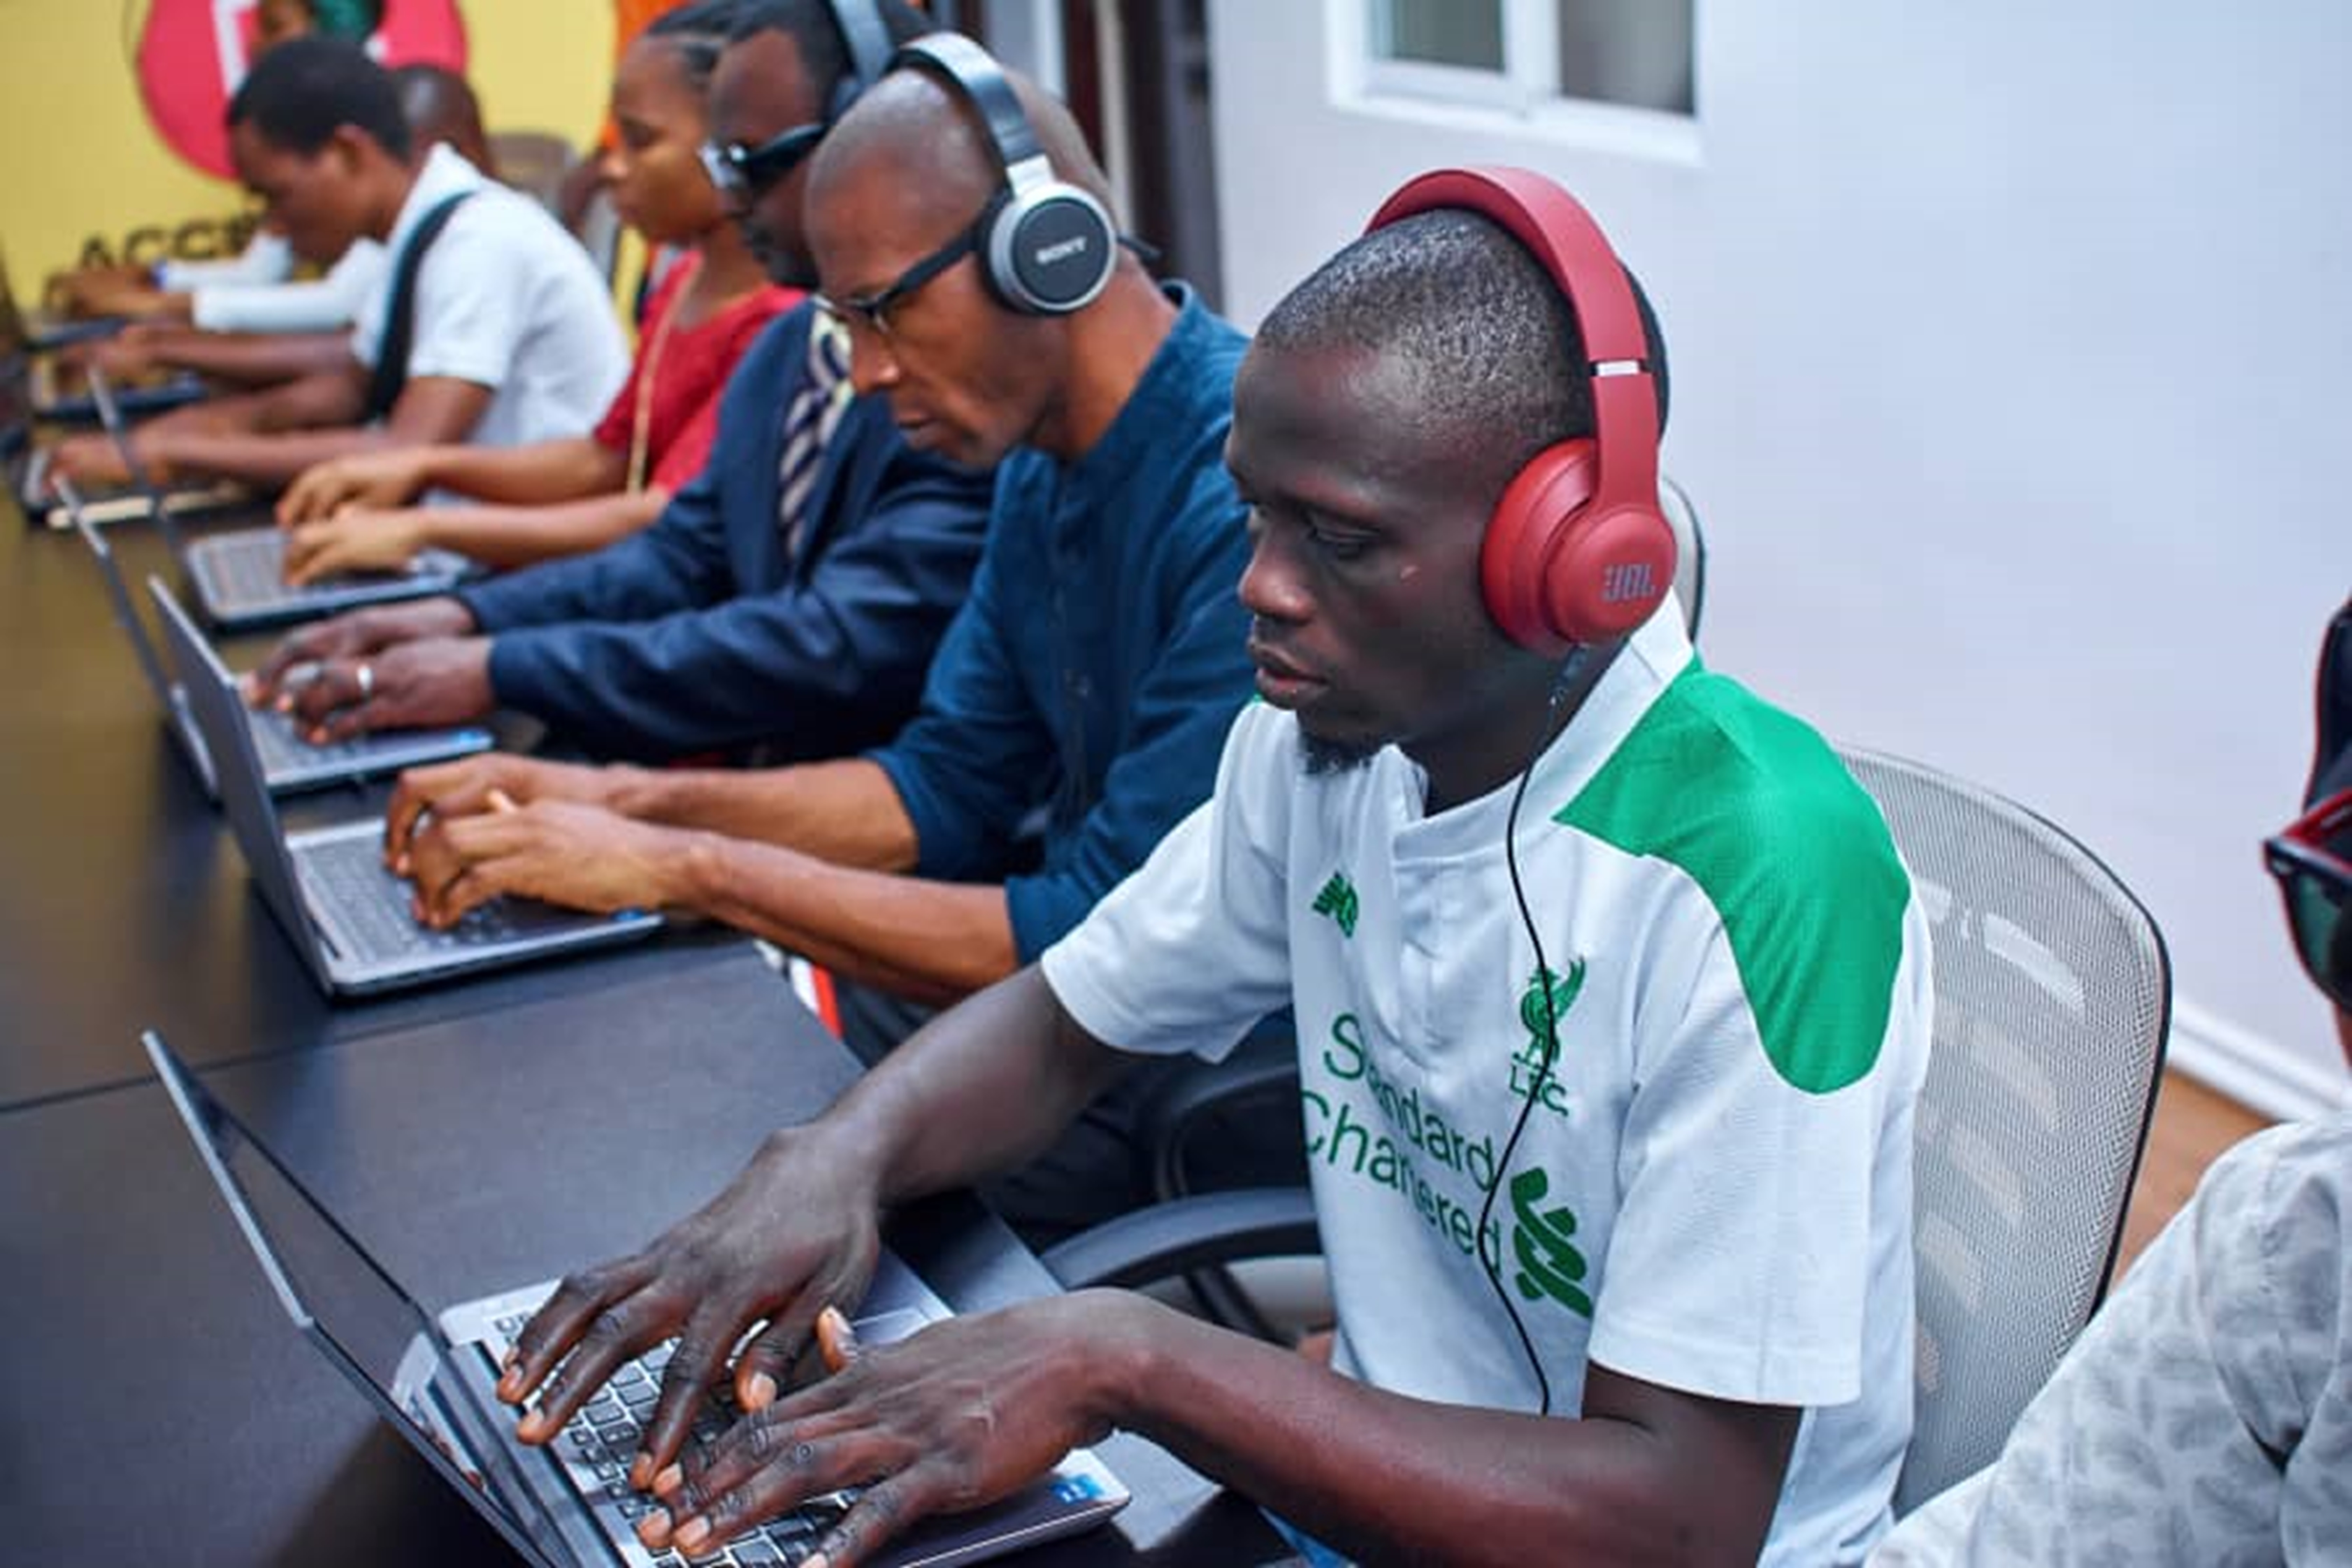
(1627, 581)
(1337, 899)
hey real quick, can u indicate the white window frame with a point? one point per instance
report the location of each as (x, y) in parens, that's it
(1523, 98)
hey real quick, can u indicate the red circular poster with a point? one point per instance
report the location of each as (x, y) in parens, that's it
(192, 54)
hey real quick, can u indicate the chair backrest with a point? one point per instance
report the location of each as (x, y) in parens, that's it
(2052, 996)
(1690, 551)
(533, 161)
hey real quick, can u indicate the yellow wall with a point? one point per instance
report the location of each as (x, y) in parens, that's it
(79, 160)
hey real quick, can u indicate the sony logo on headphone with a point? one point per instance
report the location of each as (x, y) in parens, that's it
(1061, 250)
(1626, 581)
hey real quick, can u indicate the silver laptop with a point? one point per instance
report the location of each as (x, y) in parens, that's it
(38, 331)
(564, 1505)
(239, 577)
(346, 913)
(289, 762)
(40, 496)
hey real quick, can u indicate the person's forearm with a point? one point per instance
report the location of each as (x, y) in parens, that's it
(324, 399)
(932, 942)
(535, 475)
(266, 457)
(1387, 1479)
(520, 535)
(251, 360)
(979, 1091)
(846, 812)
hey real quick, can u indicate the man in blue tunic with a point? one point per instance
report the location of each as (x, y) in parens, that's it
(1083, 692)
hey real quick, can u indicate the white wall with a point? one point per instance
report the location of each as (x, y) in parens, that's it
(2009, 345)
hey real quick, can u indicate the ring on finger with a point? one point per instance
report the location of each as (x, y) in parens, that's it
(367, 681)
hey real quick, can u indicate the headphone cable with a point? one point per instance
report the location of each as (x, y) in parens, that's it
(1570, 670)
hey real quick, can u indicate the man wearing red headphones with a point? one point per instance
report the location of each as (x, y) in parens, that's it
(1608, 1100)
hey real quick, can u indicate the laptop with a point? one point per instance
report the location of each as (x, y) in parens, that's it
(37, 332)
(239, 576)
(565, 1505)
(36, 492)
(347, 915)
(39, 336)
(289, 762)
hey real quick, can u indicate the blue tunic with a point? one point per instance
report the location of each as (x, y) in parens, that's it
(703, 632)
(1101, 657)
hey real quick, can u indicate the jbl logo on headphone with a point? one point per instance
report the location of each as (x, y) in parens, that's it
(1627, 582)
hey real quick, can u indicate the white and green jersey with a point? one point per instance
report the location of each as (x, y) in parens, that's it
(1714, 1190)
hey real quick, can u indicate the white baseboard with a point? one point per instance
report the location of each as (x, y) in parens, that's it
(2256, 1071)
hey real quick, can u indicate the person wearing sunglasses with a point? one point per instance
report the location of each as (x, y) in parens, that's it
(2205, 1415)
(788, 600)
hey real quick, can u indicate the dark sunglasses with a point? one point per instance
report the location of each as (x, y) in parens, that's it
(2312, 858)
(747, 173)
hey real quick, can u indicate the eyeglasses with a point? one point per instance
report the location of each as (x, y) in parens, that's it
(2312, 858)
(746, 174)
(873, 309)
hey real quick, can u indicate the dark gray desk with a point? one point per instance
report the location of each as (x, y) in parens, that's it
(154, 1403)
(125, 902)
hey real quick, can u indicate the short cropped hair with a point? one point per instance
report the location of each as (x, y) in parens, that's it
(1481, 322)
(300, 93)
(699, 32)
(810, 24)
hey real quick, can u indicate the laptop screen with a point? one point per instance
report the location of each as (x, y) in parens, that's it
(338, 1294)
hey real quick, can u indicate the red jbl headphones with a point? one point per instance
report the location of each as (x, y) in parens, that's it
(1577, 551)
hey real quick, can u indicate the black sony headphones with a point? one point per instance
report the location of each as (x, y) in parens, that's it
(1046, 246)
(868, 43)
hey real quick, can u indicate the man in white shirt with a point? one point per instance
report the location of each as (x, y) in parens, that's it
(512, 336)
(1608, 1104)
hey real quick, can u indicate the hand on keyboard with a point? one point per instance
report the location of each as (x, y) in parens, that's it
(472, 786)
(559, 852)
(354, 540)
(345, 637)
(797, 1229)
(967, 1411)
(409, 686)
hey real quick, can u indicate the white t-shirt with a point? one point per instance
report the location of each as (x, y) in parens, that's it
(506, 299)
(266, 259)
(1714, 1189)
(321, 305)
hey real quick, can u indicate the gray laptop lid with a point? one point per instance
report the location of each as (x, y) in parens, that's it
(355, 1313)
(434, 571)
(218, 712)
(305, 767)
(170, 694)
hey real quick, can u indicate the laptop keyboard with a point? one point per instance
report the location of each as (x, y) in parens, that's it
(242, 568)
(243, 571)
(283, 751)
(602, 1440)
(371, 906)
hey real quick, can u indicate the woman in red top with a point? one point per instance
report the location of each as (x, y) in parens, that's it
(562, 498)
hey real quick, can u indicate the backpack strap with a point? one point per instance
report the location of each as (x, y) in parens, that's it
(390, 374)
